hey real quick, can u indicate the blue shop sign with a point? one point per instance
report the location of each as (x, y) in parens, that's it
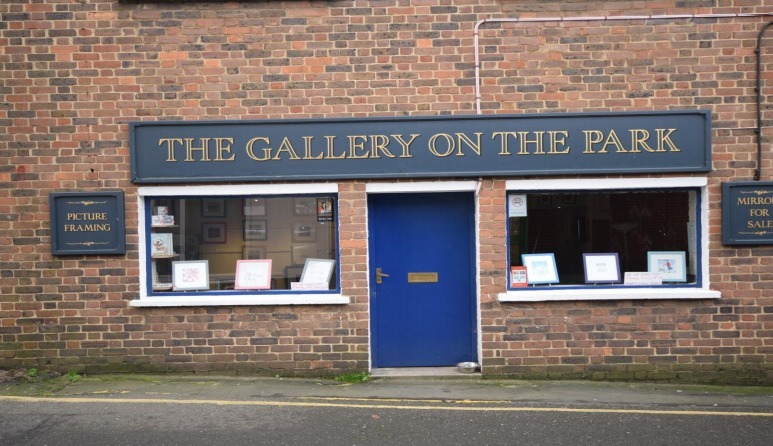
(87, 223)
(747, 213)
(447, 146)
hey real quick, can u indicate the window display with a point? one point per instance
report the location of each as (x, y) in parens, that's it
(237, 238)
(596, 237)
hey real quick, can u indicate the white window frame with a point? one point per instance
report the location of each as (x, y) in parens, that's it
(545, 294)
(230, 299)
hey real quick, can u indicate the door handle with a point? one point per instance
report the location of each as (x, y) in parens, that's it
(379, 275)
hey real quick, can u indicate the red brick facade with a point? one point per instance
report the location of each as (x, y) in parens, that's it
(73, 74)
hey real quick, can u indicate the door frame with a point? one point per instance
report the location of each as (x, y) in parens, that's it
(432, 187)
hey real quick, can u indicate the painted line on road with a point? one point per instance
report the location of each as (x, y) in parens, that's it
(404, 400)
(70, 400)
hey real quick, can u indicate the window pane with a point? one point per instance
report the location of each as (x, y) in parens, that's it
(631, 224)
(287, 230)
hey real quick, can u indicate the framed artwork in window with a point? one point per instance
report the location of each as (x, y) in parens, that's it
(670, 264)
(255, 207)
(190, 275)
(540, 268)
(304, 206)
(601, 267)
(213, 232)
(250, 252)
(255, 230)
(317, 271)
(212, 207)
(304, 232)
(253, 274)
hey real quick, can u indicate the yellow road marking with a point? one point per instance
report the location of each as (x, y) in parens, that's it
(26, 399)
(404, 400)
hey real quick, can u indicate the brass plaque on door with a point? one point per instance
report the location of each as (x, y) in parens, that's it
(422, 278)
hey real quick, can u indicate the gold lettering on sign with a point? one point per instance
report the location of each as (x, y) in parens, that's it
(441, 145)
(85, 222)
(170, 147)
(357, 146)
(465, 140)
(286, 147)
(221, 149)
(380, 143)
(525, 141)
(406, 153)
(307, 146)
(664, 139)
(758, 215)
(266, 151)
(504, 148)
(331, 149)
(640, 140)
(449, 145)
(452, 145)
(190, 148)
(558, 138)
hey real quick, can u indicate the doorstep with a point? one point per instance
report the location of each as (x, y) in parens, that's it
(415, 372)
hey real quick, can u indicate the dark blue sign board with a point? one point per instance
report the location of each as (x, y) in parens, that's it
(747, 213)
(447, 146)
(84, 223)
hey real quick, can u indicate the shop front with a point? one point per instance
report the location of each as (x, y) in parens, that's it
(412, 234)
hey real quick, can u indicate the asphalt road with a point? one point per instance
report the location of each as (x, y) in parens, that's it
(308, 413)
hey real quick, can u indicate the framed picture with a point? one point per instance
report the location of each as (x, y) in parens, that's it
(304, 232)
(253, 274)
(324, 209)
(304, 206)
(212, 207)
(302, 252)
(540, 268)
(250, 252)
(601, 267)
(317, 271)
(255, 206)
(255, 229)
(161, 245)
(213, 232)
(189, 275)
(670, 264)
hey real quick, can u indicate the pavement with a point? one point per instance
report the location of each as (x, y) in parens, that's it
(419, 390)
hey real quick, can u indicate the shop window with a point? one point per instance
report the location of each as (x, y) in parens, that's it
(587, 234)
(245, 244)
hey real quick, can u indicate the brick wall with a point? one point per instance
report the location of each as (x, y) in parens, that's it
(73, 74)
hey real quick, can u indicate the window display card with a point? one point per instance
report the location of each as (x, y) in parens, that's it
(518, 278)
(639, 278)
(516, 205)
(161, 245)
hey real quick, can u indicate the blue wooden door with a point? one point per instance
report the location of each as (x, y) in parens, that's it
(418, 321)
